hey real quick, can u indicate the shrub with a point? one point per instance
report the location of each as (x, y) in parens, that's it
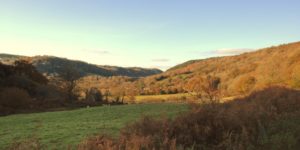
(15, 98)
(142, 135)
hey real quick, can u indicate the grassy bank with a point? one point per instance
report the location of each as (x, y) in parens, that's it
(59, 130)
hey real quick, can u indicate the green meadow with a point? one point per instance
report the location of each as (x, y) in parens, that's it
(66, 129)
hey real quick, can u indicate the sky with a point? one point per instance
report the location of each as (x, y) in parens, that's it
(145, 33)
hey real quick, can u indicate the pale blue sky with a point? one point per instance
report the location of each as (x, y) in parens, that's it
(145, 33)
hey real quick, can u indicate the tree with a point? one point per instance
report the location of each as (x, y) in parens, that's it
(296, 77)
(205, 89)
(24, 68)
(22, 75)
(118, 93)
(106, 94)
(141, 86)
(70, 75)
(245, 84)
(131, 91)
(93, 95)
(271, 72)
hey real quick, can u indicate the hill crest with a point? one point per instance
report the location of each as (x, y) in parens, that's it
(52, 65)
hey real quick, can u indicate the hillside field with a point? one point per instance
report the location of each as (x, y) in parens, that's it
(179, 98)
(65, 129)
(173, 98)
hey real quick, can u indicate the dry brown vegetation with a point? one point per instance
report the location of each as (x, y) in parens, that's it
(266, 119)
(29, 144)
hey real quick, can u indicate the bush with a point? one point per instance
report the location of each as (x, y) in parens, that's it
(138, 136)
(14, 100)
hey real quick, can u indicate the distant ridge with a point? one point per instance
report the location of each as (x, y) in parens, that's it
(52, 65)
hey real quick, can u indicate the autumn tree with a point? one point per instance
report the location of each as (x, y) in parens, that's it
(106, 94)
(141, 86)
(205, 89)
(245, 84)
(118, 93)
(296, 77)
(271, 73)
(131, 90)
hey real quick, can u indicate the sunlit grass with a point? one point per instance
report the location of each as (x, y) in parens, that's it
(59, 130)
(181, 97)
(177, 98)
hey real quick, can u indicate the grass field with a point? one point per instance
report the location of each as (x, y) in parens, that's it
(173, 98)
(180, 97)
(60, 130)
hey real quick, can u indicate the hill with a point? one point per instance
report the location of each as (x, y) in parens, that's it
(51, 65)
(240, 74)
(277, 65)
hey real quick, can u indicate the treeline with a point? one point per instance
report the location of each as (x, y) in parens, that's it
(24, 89)
(127, 87)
